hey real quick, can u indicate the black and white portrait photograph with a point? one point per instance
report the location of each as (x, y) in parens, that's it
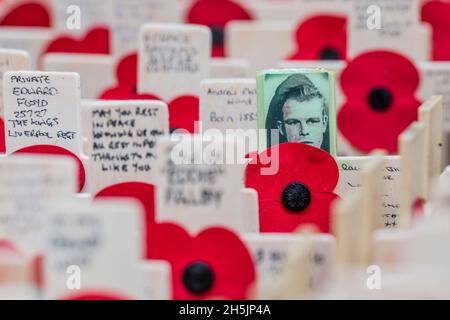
(298, 107)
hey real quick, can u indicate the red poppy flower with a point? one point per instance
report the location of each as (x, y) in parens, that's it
(300, 193)
(215, 263)
(380, 88)
(29, 14)
(437, 13)
(215, 14)
(2, 136)
(183, 110)
(144, 193)
(321, 38)
(54, 150)
(96, 41)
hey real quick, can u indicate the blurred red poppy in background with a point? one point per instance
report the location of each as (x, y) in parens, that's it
(216, 14)
(28, 14)
(380, 88)
(437, 14)
(321, 37)
(96, 41)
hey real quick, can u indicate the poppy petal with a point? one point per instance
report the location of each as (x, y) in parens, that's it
(96, 41)
(274, 217)
(437, 14)
(20, 16)
(321, 37)
(184, 112)
(126, 72)
(376, 69)
(296, 161)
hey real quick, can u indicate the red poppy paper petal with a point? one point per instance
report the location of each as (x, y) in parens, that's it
(126, 72)
(144, 193)
(220, 248)
(183, 113)
(379, 68)
(54, 150)
(2, 137)
(20, 16)
(437, 13)
(275, 218)
(216, 12)
(368, 130)
(167, 241)
(297, 163)
(96, 41)
(318, 33)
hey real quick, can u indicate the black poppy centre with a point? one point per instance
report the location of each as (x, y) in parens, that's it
(380, 99)
(296, 197)
(198, 278)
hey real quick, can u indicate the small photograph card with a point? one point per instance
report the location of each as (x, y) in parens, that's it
(297, 105)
